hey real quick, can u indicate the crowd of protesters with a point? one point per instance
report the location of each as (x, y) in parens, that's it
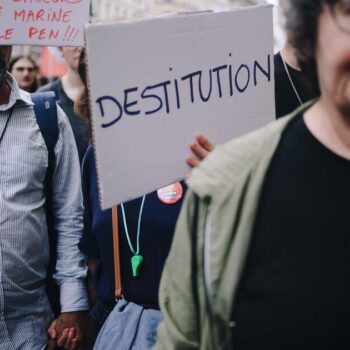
(250, 252)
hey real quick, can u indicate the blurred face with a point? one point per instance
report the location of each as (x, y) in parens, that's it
(71, 55)
(24, 72)
(5, 56)
(333, 56)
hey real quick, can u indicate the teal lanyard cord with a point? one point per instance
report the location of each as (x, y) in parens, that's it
(138, 228)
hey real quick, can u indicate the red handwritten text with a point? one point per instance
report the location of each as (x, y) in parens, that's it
(42, 16)
(7, 34)
(42, 34)
(72, 2)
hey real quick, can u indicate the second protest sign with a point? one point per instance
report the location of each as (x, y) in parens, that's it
(49, 22)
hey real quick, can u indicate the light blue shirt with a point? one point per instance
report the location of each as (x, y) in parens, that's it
(25, 313)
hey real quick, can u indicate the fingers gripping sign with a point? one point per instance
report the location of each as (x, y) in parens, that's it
(200, 149)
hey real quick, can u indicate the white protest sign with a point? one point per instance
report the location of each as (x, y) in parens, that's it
(156, 84)
(43, 22)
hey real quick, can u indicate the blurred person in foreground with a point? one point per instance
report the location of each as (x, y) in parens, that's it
(260, 257)
(67, 90)
(24, 70)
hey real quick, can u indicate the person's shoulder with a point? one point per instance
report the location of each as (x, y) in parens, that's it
(53, 86)
(234, 159)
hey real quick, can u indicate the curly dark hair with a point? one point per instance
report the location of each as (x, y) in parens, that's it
(302, 18)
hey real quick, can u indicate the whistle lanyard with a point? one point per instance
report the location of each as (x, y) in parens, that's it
(137, 259)
(6, 124)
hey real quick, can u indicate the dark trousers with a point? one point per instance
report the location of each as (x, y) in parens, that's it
(98, 315)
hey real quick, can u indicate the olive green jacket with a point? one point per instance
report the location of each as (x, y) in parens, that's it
(211, 241)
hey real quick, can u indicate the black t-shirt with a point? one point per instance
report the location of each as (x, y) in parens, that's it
(294, 292)
(285, 98)
(79, 125)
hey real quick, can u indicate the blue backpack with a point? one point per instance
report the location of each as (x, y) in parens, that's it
(45, 109)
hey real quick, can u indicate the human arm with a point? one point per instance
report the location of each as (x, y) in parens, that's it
(87, 244)
(71, 269)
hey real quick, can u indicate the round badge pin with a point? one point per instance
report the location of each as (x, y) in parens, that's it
(170, 194)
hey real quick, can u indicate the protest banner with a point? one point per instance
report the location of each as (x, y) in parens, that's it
(155, 84)
(45, 23)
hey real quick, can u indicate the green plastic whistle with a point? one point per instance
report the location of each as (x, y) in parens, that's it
(136, 262)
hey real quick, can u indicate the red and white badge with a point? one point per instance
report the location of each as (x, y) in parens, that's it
(170, 194)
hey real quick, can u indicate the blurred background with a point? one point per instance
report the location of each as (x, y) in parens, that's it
(51, 64)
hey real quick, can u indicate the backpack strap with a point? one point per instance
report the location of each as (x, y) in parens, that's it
(46, 114)
(45, 109)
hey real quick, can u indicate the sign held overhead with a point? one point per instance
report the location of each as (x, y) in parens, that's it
(49, 22)
(162, 81)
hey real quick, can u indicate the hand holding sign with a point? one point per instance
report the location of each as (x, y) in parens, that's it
(200, 148)
(34, 22)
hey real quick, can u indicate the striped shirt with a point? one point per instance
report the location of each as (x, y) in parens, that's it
(25, 313)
